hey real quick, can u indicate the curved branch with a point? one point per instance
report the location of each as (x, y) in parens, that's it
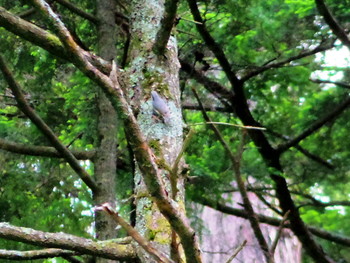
(44, 39)
(315, 126)
(332, 22)
(44, 151)
(104, 249)
(42, 126)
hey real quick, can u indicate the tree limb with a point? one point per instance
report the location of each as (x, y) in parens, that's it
(332, 22)
(315, 126)
(166, 26)
(36, 254)
(215, 88)
(320, 48)
(44, 39)
(44, 151)
(42, 126)
(65, 241)
(78, 11)
(308, 154)
(142, 151)
(340, 84)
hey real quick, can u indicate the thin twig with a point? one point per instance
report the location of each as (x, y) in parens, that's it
(228, 124)
(279, 232)
(237, 251)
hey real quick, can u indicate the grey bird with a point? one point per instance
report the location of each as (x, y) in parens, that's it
(160, 107)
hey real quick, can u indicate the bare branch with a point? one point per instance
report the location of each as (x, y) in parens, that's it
(315, 126)
(36, 254)
(308, 154)
(219, 91)
(156, 254)
(42, 126)
(114, 250)
(44, 151)
(241, 246)
(332, 22)
(320, 48)
(207, 108)
(78, 11)
(167, 24)
(279, 232)
(340, 84)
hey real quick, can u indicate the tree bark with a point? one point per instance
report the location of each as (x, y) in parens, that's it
(106, 160)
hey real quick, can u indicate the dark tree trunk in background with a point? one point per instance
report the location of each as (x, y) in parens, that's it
(106, 161)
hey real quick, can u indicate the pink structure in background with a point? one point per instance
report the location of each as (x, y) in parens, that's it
(222, 234)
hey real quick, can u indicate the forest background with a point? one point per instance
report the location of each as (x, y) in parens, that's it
(253, 122)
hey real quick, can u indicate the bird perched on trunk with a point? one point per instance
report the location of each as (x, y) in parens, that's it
(160, 108)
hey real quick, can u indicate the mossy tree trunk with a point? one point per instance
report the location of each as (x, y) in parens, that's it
(148, 72)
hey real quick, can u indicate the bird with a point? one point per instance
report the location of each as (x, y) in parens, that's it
(160, 107)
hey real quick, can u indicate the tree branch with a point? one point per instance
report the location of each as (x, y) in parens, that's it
(212, 44)
(315, 126)
(166, 26)
(44, 151)
(308, 154)
(278, 234)
(320, 48)
(78, 11)
(215, 88)
(143, 153)
(36, 254)
(44, 39)
(65, 241)
(332, 22)
(340, 84)
(42, 126)
(207, 108)
(341, 240)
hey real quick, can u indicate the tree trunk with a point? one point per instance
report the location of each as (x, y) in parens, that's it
(105, 160)
(149, 72)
